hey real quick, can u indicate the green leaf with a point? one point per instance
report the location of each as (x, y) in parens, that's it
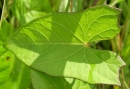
(13, 73)
(57, 44)
(6, 59)
(6, 31)
(27, 10)
(78, 84)
(44, 81)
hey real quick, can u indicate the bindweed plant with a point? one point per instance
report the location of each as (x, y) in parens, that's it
(44, 48)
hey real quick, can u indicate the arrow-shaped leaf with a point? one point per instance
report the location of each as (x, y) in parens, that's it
(57, 44)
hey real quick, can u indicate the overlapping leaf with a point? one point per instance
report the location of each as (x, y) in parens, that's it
(27, 10)
(57, 44)
(13, 72)
(44, 81)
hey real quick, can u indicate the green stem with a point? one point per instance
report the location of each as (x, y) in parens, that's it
(71, 6)
(2, 12)
(114, 48)
(67, 7)
(126, 85)
(113, 3)
(122, 74)
(125, 29)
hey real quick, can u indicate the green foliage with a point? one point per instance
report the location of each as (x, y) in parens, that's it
(57, 44)
(27, 10)
(43, 81)
(126, 34)
(64, 50)
(13, 73)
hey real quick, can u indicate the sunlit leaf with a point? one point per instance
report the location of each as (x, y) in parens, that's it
(44, 81)
(58, 44)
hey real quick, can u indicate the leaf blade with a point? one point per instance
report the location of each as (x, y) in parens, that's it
(41, 80)
(61, 39)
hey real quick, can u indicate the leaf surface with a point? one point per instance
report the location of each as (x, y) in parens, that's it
(58, 44)
(43, 81)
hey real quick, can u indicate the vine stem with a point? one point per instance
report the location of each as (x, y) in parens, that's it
(2, 12)
(114, 3)
(122, 74)
(71, 6)
(126, 85)
(124, 37)
(119, 48)
(67, 7)
(119, 42)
